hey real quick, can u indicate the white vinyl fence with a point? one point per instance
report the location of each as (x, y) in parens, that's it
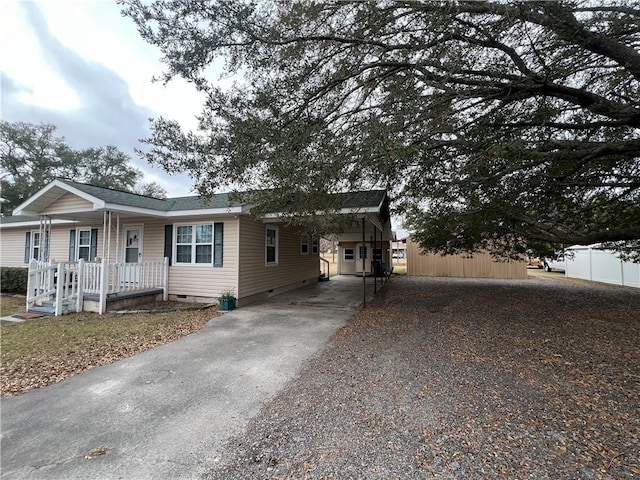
(591, 263)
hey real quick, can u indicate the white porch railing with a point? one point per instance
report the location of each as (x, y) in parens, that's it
(40, 282)
(69, 282)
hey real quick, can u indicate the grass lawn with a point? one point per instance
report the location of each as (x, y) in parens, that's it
(43, 351)
(10, 305)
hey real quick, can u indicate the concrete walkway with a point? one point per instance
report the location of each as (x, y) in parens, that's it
(168, 412)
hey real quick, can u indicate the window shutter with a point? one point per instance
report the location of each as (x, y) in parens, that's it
(93, 251)
(218, 237)
(168, 239)
(27, 247)
(72, 245)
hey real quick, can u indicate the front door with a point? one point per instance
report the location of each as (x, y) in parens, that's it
(132, 253)
(363, 258)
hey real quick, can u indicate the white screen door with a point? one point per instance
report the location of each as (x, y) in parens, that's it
(132, 253)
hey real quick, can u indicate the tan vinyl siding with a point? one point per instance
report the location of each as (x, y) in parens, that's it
(68, 203)
(12, 247)
(203, 280)
(190, 280)
(12, 243)
(481, 265)
(293, 268)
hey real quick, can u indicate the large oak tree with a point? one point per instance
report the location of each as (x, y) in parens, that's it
(499, 125)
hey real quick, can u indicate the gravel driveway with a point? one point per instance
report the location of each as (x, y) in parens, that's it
(454, 378)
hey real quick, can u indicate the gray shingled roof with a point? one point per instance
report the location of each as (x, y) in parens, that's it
(369, 199)
(351, 200)
(18, 219)
(366, 199)
(119, 197)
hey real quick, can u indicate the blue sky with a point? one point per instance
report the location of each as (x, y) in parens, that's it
(82, 66)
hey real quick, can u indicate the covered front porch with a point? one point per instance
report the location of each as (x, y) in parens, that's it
(56, 288)
(104, 262)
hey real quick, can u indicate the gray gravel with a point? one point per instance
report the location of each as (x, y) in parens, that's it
(455, 378)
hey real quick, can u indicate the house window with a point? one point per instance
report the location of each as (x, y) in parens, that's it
(314, 246)
(348, 254)
(35, 245)
(84, 244)
(377, 254)
(271, 246)
(304, 244)
(195, 244)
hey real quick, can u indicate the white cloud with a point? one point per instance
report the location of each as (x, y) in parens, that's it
(82, 66)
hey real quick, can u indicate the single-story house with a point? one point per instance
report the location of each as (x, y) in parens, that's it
(187, 248)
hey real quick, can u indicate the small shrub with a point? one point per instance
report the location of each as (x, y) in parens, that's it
(13, 280)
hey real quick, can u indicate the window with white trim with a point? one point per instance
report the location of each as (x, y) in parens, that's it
(35, 245)
(84, 244)
(348, 254)
(199, 244)
(314, 246)
(304, 244)
(271, 245)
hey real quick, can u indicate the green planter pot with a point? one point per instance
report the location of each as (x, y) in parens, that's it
(227, 304)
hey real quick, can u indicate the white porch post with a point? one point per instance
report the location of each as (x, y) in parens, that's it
(60, 289)
(104, 232)
(80, 298)
(117, 237)
(109, 238)
(40, 238)
(104, 285)
(47, 239)
(165, 280)
(30, 281)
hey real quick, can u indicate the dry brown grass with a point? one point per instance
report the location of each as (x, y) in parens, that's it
(46, 350)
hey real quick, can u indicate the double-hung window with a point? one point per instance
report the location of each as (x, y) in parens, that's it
(84, 244)
(199, 244)
(304, 244)
(35, 245)
(314, 246)
(348, 255)
(271, 245)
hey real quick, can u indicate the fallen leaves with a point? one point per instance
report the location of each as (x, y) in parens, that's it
(96, 452)
(45, 351)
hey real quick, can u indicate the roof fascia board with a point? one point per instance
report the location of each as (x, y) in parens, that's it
(35, 223)
(207, 211)
(359, 212)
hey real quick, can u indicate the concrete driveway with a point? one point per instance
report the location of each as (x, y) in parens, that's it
(168, 412)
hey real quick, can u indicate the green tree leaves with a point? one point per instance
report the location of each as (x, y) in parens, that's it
(500, 125)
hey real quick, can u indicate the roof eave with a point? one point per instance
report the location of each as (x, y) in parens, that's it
(23, 208)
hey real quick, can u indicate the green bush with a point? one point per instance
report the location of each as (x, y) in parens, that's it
(13, 280)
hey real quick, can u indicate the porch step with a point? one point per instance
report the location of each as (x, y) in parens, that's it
(49, 308)
(323, 278)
